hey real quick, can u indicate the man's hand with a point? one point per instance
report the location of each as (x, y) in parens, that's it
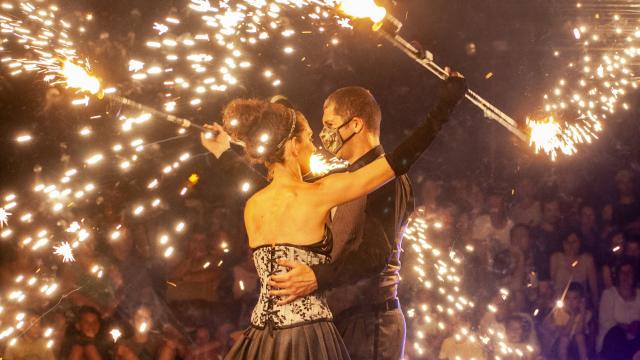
(217, 141)
(452, 89)
(298, 282)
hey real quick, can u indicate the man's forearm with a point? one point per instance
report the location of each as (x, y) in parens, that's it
(364, 262)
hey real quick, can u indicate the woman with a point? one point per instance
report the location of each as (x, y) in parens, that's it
(619, 316)
(288, 220)
(572, 265)
(613, 250)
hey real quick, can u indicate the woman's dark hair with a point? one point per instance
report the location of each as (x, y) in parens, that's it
(624, 261)
(86, 309)
(576, 287)
(263, 127)
(565, 234)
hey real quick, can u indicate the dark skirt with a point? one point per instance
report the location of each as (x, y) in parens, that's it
(318, 340)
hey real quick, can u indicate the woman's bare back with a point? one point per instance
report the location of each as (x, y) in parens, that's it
(285, 214)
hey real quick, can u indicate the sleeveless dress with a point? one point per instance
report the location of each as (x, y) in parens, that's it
(302, 329)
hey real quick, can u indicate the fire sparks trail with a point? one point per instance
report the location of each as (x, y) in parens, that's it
(576, 110)
(320, 165)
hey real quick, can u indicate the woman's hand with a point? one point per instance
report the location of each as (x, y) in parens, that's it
(217, 141)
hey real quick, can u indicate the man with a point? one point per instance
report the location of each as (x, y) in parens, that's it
(32, 345)
(493, 228)
(88, 344)
(367, 232)
(546, 236)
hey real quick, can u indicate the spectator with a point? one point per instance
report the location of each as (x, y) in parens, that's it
(145, 344)
(194, 277)
(546, 237)
(521, 337)
(245, 287)
(204, 348)
(57, 321)
(526, 209)
(626, 210)
(524, 277)
(493, 228)
(612, 254)
(31, 345)
(98, 292)
(589, 231)
(87, 343)
(566, 331)
(619, 316)
(462, 346)
(573, 265)
(136, 282)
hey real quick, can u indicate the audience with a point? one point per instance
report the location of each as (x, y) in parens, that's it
(493, 228)
(32, 345)
(619, 315)
(567, 331)
(573, 265)
(87, 341)
(146, 342)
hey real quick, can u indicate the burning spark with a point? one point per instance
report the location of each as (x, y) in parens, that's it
(321, 165)
(78, 78)
(65, 251)
(115, 334)
(4, 217)
(24, 138)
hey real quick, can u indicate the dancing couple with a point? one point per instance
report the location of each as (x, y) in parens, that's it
(326, 250)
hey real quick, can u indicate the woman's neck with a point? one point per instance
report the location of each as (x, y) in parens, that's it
(285, 172)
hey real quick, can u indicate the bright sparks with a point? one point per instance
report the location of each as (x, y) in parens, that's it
(76, 77)
(320, 165)
(65, 251)
(362, 9)
(4, 217)
(594, 87)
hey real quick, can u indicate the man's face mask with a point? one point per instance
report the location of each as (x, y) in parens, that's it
(332, 140)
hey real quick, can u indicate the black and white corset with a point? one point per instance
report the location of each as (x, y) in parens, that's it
(311, 308)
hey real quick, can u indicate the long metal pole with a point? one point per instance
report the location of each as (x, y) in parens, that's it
(158, 114)
(426, 60)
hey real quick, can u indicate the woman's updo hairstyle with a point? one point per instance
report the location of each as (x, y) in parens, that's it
(263, 127)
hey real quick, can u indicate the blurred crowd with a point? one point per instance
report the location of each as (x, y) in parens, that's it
(566, 253)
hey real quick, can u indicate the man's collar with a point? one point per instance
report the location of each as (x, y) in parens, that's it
(367, 158)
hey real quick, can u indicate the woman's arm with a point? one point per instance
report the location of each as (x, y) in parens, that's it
(340, 188)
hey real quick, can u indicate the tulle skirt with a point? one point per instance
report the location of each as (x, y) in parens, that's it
(318, 340)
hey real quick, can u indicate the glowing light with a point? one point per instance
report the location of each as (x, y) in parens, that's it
(245, 187)
(115, 334)
(65, 251)
(4, 217)
(78, 78)
(24, 138)
(362, 9)
(548, 136)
